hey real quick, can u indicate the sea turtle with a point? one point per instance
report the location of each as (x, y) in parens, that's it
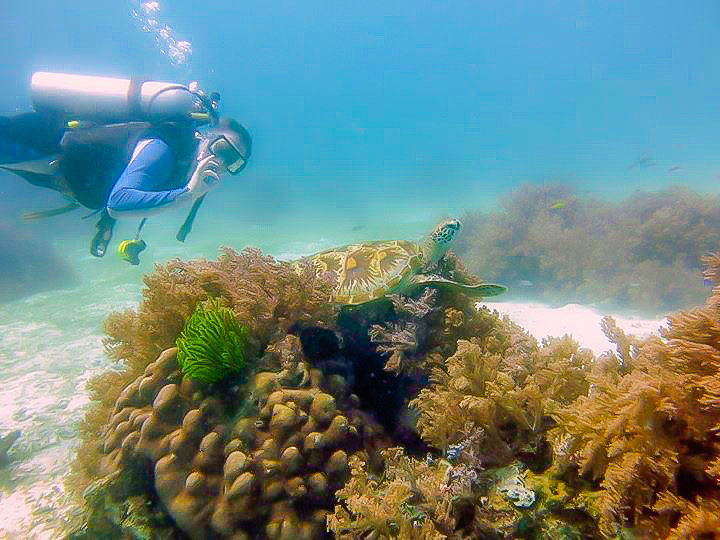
(371, 270)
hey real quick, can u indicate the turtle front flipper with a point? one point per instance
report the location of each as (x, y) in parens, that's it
(481, 289)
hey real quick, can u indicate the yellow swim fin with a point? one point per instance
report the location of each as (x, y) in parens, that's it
(129, 250)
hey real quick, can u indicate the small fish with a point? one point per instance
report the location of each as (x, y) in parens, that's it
(707, 282)
(675, 168)
(557, 205)
(643, 160)
(526, 283)
(358, 227)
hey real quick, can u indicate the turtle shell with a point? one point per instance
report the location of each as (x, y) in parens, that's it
(364, 272)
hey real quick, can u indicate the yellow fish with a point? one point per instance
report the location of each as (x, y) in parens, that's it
(557, 205)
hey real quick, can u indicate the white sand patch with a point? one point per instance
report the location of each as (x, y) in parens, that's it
(580, 322)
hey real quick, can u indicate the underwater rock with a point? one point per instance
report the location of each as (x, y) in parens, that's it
(30, 265)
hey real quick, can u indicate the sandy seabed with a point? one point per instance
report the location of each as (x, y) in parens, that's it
(580, 322)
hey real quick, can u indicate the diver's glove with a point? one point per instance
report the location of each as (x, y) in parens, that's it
(206, 175)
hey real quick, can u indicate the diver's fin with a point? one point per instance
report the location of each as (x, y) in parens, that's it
(45, 166)
(44, 173)
(42, 214)
(187, 226)
(129, 250)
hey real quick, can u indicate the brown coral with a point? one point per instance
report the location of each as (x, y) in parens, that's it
(647, 433)
(643, 253)
(509, 397)
(274, 472)
(411, 500)
(266, 295)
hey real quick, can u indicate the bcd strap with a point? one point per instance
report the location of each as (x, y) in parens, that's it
(134, 97)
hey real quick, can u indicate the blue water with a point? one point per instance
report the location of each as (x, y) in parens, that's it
(413, 108)
(370, 120)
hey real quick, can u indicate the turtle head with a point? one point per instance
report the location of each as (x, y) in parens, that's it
(438, 241)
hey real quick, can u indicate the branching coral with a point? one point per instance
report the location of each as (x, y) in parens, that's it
(647, 433)
(212, 344)
(509, 397)
(411, 500)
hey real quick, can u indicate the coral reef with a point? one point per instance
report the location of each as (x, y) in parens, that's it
(212, 344)
(508, 398)
(320, 390)
(488, 410)
(547, 442)
(643, 253)
(416, 416)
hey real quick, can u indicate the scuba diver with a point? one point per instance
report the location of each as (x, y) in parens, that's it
(122, 148)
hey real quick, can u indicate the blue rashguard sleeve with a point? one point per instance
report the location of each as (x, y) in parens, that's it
(142, 185)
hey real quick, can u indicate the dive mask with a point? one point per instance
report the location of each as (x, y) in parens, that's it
(231, 158)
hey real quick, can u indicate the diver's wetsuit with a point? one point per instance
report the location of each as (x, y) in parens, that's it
(146, 182)
(152, 176)
(144, 185)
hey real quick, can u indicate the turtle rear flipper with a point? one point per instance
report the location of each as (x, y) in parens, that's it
(481, 289)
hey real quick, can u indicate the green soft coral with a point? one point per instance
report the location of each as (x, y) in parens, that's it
(212, 344)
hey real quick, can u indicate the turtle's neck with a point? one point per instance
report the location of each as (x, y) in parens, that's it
(432, 252)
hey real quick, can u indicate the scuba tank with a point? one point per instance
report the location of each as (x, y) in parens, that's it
(110, 99)
(84, 101)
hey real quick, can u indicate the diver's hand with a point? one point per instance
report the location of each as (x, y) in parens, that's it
(206, 175)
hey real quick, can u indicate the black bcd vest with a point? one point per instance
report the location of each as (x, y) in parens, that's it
(93, 158)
